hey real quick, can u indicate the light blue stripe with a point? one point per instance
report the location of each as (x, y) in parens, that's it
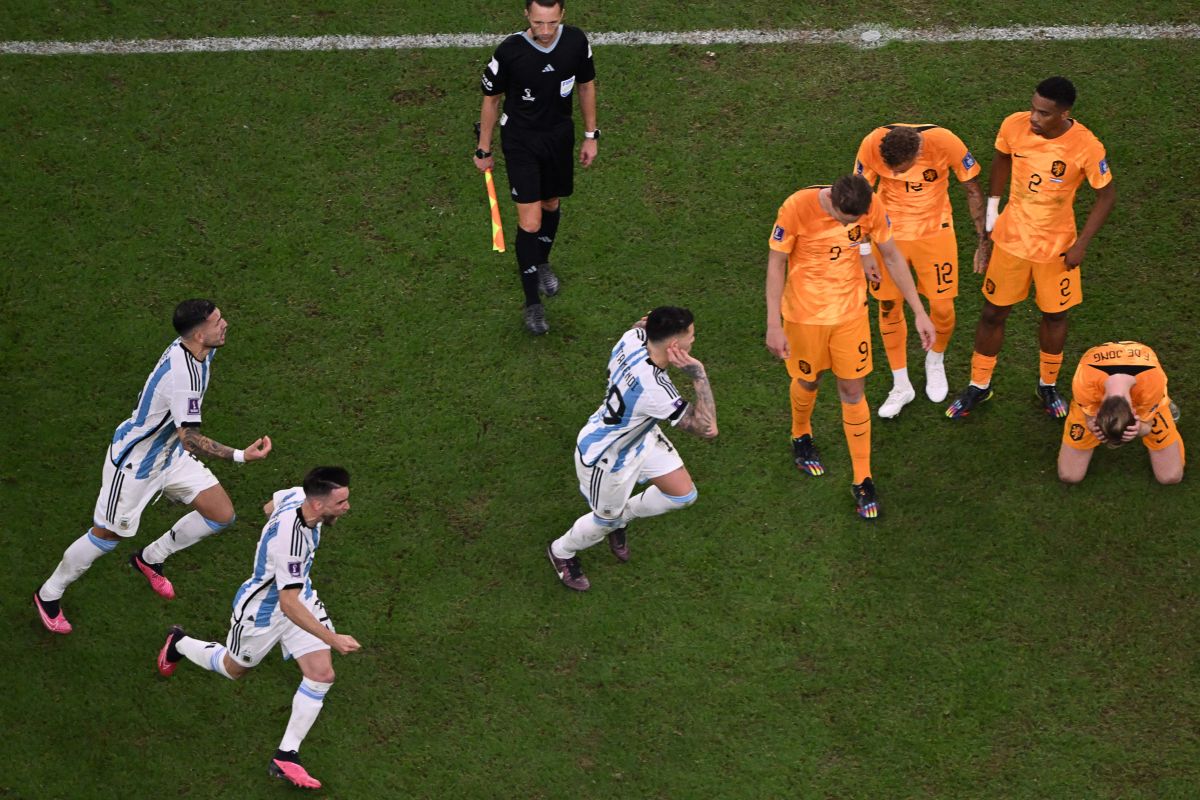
(107, 545)
(218, 526)
(260, 562)
(146, 402)
(640, 441)
(152, 454)
(216, 659)
(630, 399)
(606, 523)
(687, 498)
(304, 690)
(262, 617)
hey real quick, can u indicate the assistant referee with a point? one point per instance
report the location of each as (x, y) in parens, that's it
(537, 71)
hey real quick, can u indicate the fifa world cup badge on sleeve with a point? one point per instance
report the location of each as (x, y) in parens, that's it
(968, 160)
(294, 569)
(777, 235)
(193, 405)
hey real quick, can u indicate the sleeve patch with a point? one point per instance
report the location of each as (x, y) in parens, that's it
(968, 160)
(294, 568)
(1104, 166)
(193, 405)
(777, 234)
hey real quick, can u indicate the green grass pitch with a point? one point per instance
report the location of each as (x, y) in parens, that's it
(994, 635)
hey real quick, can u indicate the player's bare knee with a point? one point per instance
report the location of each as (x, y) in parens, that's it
(810, 386)
(1169, 476)
(104, 533)
(1054, 317)
(1068, 477)
(993, 314)
(551, 204)
(325, 675)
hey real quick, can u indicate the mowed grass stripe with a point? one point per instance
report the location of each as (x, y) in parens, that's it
(866, 35)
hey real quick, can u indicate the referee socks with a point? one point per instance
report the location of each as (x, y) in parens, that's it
(529, 255)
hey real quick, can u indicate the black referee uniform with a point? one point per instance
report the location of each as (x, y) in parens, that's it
(537, 135)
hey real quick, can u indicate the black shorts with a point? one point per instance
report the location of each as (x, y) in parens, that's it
(540, 164)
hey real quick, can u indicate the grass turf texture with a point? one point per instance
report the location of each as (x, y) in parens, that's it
(994, 635)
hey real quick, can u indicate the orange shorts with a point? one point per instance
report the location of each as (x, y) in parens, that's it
(1007, 282)
(1163, 431)
(935, 261)
(845, 348)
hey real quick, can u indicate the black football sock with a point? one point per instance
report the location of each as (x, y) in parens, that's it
(547, 233)
(528, 257)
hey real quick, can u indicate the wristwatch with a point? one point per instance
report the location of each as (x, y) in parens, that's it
(481, 153)
(592, 134)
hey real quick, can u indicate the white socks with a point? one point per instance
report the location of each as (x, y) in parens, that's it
(306, 705)
(75, 561)
(190, 529)
(653, 502)
(209, 655)
(900, 379)
(586, 531)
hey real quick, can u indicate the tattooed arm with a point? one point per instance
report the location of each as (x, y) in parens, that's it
(198, 444)
(700, 417)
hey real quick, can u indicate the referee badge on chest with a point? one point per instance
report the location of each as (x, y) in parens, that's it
(565, 87)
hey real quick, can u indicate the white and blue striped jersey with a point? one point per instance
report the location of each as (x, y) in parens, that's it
(148, 441)
(283, 560)
(639, 395)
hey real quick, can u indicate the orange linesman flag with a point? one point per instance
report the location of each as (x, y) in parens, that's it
(497, 228)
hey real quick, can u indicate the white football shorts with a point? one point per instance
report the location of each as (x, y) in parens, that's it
(123, 497)
(248, 644)
(608, 492)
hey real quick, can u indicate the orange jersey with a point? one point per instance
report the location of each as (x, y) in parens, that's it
(1038, 223)
(825, 283)
(918, 200)
(1120, 358)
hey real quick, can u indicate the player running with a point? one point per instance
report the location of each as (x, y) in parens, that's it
(1120, 394)
(622, 446)
(817, 313)
(1044, 156)
(278, 605)
(154, 453)
(912, 164)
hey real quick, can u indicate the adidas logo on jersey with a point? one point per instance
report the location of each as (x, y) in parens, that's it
(549, 68)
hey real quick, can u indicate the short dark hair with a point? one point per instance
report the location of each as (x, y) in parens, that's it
(1114, 416)
(900, 146)
(547, 3)
(1059, 90)
(191, 313)
(667, 321)
(321, 481)
(851, 194)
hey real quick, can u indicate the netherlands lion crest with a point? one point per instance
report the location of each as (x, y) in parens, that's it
(929, 175)
(1076, 432)
(1058, 169)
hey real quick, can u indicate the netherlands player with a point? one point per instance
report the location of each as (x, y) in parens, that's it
(817, 313)
(912, 164)
(152, 453)
(278, 605)
(1044, 155)
(621, 444)
(1119, 394)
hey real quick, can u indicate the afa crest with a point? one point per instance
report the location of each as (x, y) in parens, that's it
(855, 233)
(1076, 432)
(805, 367)
(929, 175)
(1058, 169)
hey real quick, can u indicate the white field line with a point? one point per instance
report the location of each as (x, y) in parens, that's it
(859, 36)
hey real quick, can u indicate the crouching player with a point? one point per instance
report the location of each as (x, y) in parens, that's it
(1120, 394)
(621, 445)
(279, 605)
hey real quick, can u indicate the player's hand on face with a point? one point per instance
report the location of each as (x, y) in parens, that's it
(258, 450)
(587, 152)
(1074, 255)
(777, 343)
(484, 164)
(676, 357)
(871, 269)
(345, 644)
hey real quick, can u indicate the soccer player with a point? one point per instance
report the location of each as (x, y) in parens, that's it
(816, 285)
(1044, 155)
(537, 71)
(912, 164)
(278, 605)
(155, 452)
(621, 444)
(1120, 394)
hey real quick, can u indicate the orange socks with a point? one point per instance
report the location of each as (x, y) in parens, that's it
(941, 313)
(802, 409)
(894, 330)
(981, 369)
(856, 422)
(1049, 365)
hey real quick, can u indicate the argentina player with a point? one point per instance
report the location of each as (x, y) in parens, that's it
(621, 444)
(152, 453)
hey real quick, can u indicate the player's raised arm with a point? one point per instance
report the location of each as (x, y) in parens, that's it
(198, 444)
(700, 417)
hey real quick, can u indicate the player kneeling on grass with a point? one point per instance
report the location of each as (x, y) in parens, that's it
(279, 605)
(622, 446)
(1120, 394)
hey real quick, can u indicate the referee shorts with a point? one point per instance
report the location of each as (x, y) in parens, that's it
(540, 164)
